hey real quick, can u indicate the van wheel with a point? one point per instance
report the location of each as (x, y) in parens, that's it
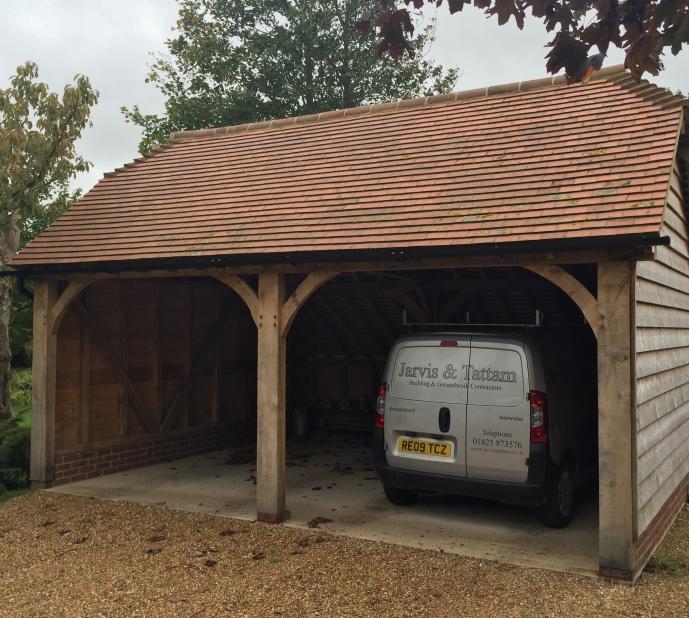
(400, 497)
(558, 511)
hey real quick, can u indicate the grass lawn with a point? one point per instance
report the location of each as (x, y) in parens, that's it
(12, 493)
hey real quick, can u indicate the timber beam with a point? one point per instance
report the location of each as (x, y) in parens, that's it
(485, 261)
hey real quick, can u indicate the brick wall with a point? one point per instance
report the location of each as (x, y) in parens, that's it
(86, 464)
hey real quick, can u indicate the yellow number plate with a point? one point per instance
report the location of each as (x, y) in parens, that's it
(424, 448)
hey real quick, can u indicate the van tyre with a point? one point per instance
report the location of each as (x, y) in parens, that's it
(400, 497)
(558, 511)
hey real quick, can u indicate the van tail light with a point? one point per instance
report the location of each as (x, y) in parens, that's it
(539, 417)
(379, 423)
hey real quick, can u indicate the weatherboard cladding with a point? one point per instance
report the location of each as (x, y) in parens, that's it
(525, 162)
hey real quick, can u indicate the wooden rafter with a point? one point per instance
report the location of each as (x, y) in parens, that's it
(410, 305)
(114, 361)
(334, 316)
(382, 347)
(383, 321)
(450, 307)
(314, 317)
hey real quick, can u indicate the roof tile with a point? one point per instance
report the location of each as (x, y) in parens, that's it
(528, 161)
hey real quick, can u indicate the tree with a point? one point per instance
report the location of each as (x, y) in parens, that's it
(21, 317)
(38, 131)
(644, 29)
(231, 62)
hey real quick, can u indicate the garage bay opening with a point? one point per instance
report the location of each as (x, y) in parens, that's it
(337, 351)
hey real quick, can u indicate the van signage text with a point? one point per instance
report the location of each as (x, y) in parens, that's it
(478, 374)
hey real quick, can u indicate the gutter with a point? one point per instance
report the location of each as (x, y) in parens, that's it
(634, 242)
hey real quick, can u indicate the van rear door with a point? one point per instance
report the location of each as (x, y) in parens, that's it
(425, 406)
(498, 410)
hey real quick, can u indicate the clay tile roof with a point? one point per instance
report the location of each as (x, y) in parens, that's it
(532, 161)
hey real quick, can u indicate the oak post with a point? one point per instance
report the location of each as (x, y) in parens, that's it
(616, 423)
(43, 377)
(270, 448)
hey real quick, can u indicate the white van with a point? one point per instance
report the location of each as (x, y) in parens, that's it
(469, 414)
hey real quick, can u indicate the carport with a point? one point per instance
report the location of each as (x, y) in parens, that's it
(237, 256)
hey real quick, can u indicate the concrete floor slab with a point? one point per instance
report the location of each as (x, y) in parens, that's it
(333, 478)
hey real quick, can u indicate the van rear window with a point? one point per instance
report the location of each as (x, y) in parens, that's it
(425, 373)
(496, 377)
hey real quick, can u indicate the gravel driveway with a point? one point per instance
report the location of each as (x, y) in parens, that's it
(71, 556)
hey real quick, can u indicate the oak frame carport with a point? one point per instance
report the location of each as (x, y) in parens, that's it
(608, 314)
(537, 175)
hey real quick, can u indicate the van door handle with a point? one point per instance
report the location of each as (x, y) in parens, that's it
(444, 420)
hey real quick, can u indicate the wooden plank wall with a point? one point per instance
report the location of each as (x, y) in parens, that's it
(156, 326)
(662, 364)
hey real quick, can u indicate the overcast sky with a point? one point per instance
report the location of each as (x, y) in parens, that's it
(111, 41)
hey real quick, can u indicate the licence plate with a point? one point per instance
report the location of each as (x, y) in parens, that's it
(424, 448)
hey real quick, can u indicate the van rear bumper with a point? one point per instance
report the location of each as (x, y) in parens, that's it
(532, 492)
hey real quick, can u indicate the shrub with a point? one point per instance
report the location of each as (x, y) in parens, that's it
(15, 435)
(15, 442)
(20, 396)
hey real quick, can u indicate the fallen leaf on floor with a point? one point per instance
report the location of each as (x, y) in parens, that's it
(156, 538)
(210, 563)
(317, 521)
(258, 555)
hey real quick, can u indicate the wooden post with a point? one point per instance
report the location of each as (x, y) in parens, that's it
(43, 377)
(270, 450)
(616, 426)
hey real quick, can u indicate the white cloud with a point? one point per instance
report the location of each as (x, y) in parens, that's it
(112, 42)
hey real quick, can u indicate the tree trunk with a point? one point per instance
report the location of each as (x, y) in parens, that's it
(9, 244)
